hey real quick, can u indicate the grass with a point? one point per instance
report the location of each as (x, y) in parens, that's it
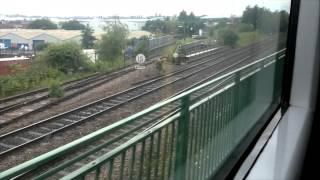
(169, 50)
(185, 41)
(34, 78)
(109, 66)
(247, 38)
(41, 76)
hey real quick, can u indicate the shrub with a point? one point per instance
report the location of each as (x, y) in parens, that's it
(67, 57)
(245, 27)
(159, 66)
(143, 46)
(229, 37)
(41, 46)
(112, 42)
(55, 89)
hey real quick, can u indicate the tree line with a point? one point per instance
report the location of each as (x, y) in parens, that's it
(184, 24)
(48, 24)
(264, 20)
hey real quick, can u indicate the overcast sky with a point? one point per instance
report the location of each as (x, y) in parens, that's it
(214, 8)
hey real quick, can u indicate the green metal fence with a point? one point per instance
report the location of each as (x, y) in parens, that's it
(191, 142)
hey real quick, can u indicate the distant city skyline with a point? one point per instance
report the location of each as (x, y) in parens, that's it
(69, 8)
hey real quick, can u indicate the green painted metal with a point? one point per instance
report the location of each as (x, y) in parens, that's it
(191, 143)
(182, 139)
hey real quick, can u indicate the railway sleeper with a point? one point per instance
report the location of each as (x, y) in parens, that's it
(24, 139)
(74, 117)
(34, 134)
(115, 102)
(84, 114)
(91, 111)
(53, 126)
(68, 120)
(44, 130)
(5, 146)
(107, 104)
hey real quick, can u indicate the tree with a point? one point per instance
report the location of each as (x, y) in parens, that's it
(167, 26)
(190, 23)
(113, 42)
(66, 57)
(42, 24)
(183, 16)
(229, 37)
(284, 21)
(265, 20)
(211, 33)
(155, 26)
(251, 16)
(245, 27)
(143, 46)
(72, 25)
(88, 39)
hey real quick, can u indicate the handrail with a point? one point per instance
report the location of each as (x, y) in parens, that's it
(90, 166)
(42, 159)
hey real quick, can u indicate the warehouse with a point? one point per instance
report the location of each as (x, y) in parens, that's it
(29, 38)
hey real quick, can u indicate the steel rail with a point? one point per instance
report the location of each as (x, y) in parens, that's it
(75, 111)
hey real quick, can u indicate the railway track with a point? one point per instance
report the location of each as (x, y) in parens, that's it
(130, 130)
(22, 105)
(34, 132)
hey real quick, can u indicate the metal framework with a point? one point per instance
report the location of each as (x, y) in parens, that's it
(192, 142)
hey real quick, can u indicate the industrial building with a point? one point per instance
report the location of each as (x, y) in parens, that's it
(17, 38)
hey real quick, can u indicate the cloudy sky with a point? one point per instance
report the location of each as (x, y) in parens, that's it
(214, 8)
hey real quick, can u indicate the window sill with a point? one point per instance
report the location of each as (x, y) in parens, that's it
(280, 150)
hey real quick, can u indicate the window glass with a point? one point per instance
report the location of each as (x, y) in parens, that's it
(141, 89)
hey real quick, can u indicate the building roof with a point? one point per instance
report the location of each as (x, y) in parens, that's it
(59, 34)
(31, 33)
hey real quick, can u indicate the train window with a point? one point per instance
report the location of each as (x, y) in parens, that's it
(135, 89)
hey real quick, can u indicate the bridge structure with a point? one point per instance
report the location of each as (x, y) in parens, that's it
(197, 133)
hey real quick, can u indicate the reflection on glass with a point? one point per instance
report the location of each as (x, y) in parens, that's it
(70, 68)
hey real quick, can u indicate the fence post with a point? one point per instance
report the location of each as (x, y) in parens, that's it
(236, 108)
(237, 93)
(182, 140)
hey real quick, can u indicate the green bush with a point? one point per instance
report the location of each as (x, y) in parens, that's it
(143, 46)
(112, 42)
(55, 89)
(245, 27)
(41, 46)
(38, 75)
(229, 37)
(108, 66)
(247, 38)
(159, 66)
(67, 57)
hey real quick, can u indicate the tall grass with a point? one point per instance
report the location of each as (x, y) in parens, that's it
(247, 38)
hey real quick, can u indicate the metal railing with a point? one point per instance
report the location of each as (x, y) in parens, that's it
(191, 142)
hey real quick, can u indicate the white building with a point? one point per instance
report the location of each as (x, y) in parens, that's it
(16, 38)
